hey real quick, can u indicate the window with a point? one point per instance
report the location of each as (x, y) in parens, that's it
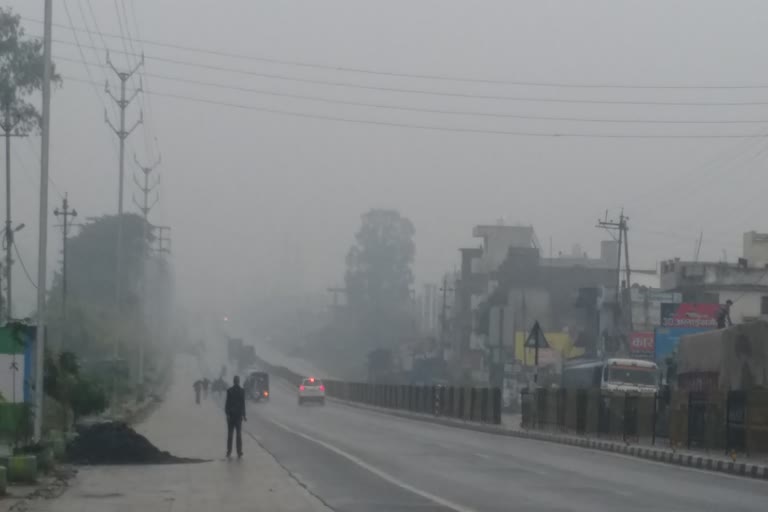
(764, 305)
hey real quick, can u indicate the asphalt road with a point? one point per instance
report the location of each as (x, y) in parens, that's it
(356, 460)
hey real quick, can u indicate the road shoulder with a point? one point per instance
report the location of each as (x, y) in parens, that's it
(257, 482)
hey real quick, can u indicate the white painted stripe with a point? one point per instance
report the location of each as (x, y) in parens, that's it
(381, 474)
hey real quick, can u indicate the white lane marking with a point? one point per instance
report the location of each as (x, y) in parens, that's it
(381, 474)
(482, 455)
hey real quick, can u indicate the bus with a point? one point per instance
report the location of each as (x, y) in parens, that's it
(615, 374)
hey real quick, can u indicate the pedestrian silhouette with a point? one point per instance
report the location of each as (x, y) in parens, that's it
(234, 408)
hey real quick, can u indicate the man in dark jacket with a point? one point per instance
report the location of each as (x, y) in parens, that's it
(724, 315)
(234, 407)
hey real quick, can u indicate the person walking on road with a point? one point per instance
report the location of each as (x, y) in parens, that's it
(197, 385)
(234, 407)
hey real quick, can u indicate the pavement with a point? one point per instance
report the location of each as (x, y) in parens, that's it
(255, 483)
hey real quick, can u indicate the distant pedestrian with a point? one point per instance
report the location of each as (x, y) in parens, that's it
(234, 407)
(198, 385)
(206, 383)
(724, 315)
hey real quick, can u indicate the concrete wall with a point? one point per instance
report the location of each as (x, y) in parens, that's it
(756, 249)
(496, 243)
(746, 305)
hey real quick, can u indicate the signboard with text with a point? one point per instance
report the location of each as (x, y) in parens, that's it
(689, 315)
(666, 339)
(642, 344)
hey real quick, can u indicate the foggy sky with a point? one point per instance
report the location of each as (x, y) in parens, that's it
(252, 195)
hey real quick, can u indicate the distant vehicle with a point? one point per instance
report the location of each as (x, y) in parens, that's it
(256, 385)
(625, 375)
(311, 390)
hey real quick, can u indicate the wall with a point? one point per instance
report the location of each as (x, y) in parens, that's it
(756, 249)
(496, 243)
(745, 304)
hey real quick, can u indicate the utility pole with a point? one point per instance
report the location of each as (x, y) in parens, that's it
(444, 312)
(8, 131)
(145, 207)
(623, 240)
(122, 134)
(42, 246)
(66, 212)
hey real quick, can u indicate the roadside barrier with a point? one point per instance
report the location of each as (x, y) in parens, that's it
(481, 405)
(734, 421)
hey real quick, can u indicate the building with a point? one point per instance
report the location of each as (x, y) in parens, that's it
(744, 282)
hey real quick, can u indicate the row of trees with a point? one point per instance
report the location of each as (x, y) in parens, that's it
(85, 329)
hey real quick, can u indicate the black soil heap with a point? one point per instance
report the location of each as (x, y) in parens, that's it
(116, 443)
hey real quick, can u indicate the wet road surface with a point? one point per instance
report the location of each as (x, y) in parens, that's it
(357, 460)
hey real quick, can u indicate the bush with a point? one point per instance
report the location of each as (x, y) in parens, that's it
(65, 383)
(87, 398)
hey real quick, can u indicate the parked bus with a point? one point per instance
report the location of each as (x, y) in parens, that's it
(632, 375)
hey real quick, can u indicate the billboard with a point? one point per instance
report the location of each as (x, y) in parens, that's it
(16, 360)
(666, 339)
(642, 344)
(689, 315)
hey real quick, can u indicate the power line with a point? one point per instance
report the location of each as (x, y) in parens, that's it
(444, 128)
(82, 57)
(406, 90)
(26, 169)
(23, 267)
(149, 128)
(473, 113)
(427, 76)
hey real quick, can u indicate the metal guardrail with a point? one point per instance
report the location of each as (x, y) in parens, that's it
(730, 421)
(481, 405)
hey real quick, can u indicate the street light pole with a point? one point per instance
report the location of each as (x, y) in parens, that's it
(42, 246)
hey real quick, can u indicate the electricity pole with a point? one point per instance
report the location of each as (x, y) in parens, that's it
(444, 313)
(623, 244)
(42, 246)
(66, 212)
(145, 207)
(8, 128)
(122, 134)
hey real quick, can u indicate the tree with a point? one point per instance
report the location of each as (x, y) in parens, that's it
(21, 74)
(379, 277)
(92, 325)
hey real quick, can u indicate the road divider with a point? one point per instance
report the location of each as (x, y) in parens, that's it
(479, 405)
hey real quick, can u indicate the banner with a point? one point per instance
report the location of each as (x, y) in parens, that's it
(16, 362)
(666, 339)
(689, 315)
(642, 344)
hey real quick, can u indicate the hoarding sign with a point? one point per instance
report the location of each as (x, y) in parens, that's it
(666, 339)
(641, 344)
(689, 315)
(16, 360)
(651, 295)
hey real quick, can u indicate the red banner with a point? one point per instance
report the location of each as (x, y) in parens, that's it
(641, 344)
(689, 314)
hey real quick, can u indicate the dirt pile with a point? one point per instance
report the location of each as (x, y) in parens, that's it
(116, 443)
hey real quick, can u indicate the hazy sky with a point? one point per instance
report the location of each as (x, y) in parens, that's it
(252, 194)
